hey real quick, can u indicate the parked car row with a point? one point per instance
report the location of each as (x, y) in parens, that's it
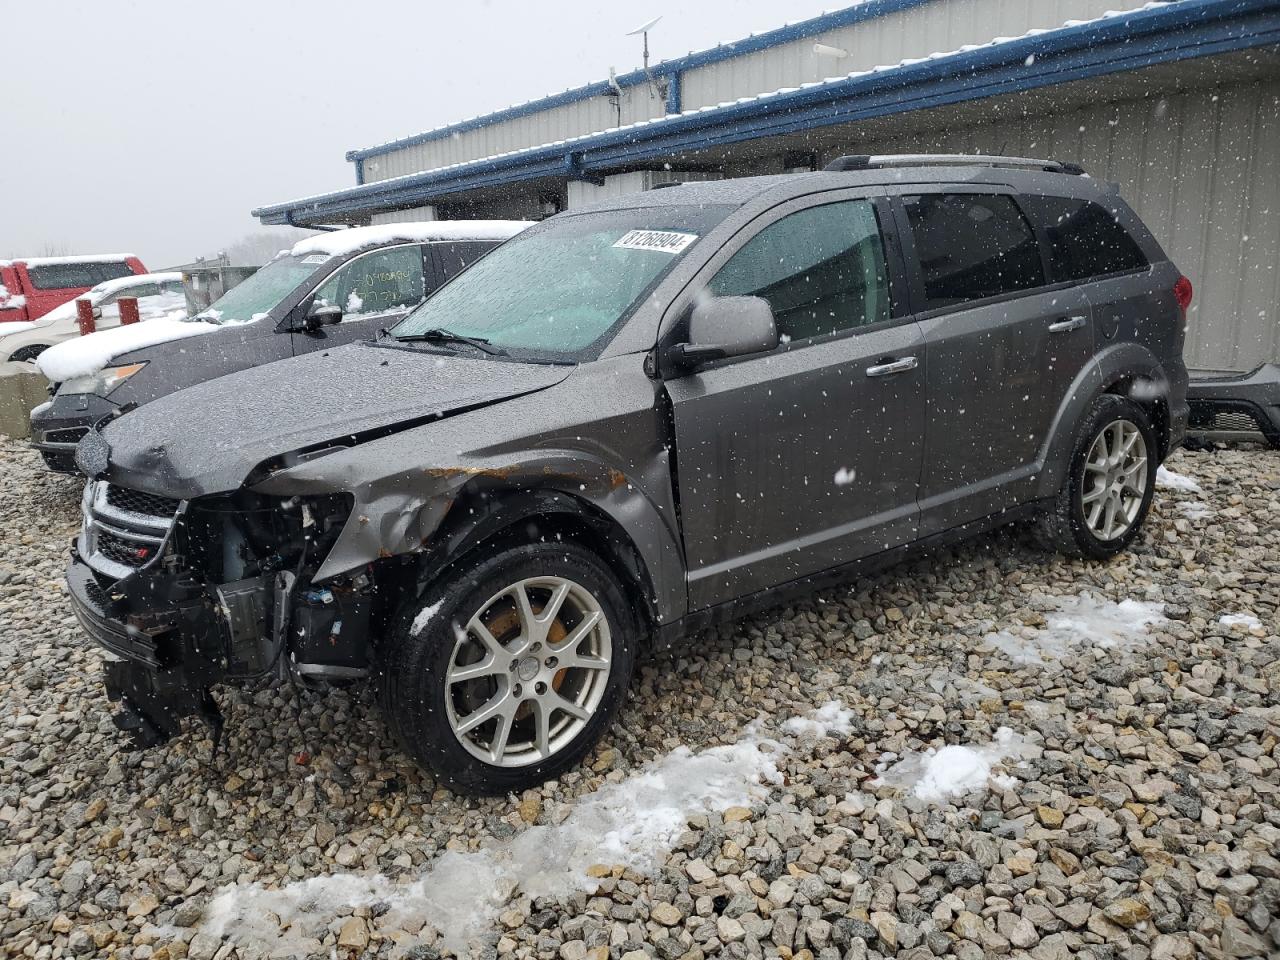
(325, 291)
(158, 295)
(31, 287)
(624, 423)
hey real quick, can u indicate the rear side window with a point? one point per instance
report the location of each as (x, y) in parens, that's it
(972, 246)
(453, 256)
(822, 270)
(1085, 239)
(57, 276)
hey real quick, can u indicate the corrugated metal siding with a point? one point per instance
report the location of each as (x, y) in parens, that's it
(1201, 168)
(548, 126)
(412, 215)
(941, 26)
(581, 193)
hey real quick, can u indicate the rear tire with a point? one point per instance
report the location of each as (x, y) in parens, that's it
(496, 695)
(1107, 494)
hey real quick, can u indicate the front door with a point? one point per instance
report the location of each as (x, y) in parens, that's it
(374, 290)
(1003, 352)
(801, 459)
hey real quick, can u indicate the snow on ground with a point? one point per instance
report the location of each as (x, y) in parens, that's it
(937, 775)
(1175, 481)
(1079, 622)
(341, 242)
(1246, 620)
(83, 356)
(631, 823)
(832, 717)
(1195, 510)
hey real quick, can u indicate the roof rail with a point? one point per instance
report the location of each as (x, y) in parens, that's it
(862, 161)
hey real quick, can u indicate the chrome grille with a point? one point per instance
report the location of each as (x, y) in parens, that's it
(135, 501)
(123, 529)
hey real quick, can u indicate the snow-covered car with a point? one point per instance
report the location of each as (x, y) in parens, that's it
(158, 295)
(327, 290)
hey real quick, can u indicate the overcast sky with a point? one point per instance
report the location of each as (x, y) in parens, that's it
(155, 127)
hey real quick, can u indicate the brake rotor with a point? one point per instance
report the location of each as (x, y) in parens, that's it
(506, 625)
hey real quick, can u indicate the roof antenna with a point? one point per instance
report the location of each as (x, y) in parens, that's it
(643, 30)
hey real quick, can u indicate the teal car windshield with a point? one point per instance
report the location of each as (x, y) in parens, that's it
(558, 290)
(256, 296)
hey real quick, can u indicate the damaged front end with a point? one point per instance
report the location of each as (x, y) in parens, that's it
(218, 589)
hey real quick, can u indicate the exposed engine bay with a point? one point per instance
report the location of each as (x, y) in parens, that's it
(212, 590)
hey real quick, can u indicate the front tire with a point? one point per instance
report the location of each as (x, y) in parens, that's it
(28, 353)
(1107, 494)
(506, 673)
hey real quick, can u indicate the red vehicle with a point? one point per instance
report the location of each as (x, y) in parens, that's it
(31, 287)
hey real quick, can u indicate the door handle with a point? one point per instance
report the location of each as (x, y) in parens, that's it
(1067, 325)
(892, 367)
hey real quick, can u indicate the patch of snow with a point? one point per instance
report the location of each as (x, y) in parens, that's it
(1246, 620)
(631, 822)
(1175, 481)
(87, 355)
(1080, 622)
(354, 303)
(1195, 510)
(41, 407)
(16, 326)
(339, 243)
(937, 775)
(832, 717)
(82, 258)
(424, 617)
(845, 476)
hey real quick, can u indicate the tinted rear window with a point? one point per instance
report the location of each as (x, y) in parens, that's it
(57, 276)
(971, 246)
(1085, 240)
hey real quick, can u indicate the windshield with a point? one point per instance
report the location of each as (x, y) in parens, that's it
(253, 298)
(557, 291)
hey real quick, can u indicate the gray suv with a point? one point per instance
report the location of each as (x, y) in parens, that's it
(626, 423)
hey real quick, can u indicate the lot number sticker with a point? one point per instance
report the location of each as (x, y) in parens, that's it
(663, 241)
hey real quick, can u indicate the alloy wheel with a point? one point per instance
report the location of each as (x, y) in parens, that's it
(1114, 483)
(528, 671)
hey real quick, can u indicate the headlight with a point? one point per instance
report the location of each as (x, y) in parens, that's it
(102, 382)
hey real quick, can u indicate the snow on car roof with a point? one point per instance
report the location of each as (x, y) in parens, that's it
(85, 258)
(341, 242)
(108, 287)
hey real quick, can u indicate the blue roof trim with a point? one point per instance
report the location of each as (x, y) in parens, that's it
(1187, 29)
(869, 10)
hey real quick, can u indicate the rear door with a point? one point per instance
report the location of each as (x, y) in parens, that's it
(375, 289)
(807, 457)
(1003, 349)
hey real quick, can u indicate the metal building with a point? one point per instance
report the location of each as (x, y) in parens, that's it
(1178, 102)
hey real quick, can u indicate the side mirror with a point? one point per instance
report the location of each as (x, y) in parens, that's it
(722, 327)
(321, 315)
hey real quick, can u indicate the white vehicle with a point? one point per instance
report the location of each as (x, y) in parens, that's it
(158, 295)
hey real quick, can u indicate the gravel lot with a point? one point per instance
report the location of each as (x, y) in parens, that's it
(1133, 809)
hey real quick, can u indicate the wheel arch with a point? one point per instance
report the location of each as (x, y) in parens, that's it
(1126, 370)
(484, 517)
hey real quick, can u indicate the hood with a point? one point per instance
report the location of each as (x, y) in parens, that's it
(208, 437)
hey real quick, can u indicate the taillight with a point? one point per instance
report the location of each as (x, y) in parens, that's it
(1182, 292)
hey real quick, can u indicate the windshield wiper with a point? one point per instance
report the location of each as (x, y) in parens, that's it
(441, 335)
